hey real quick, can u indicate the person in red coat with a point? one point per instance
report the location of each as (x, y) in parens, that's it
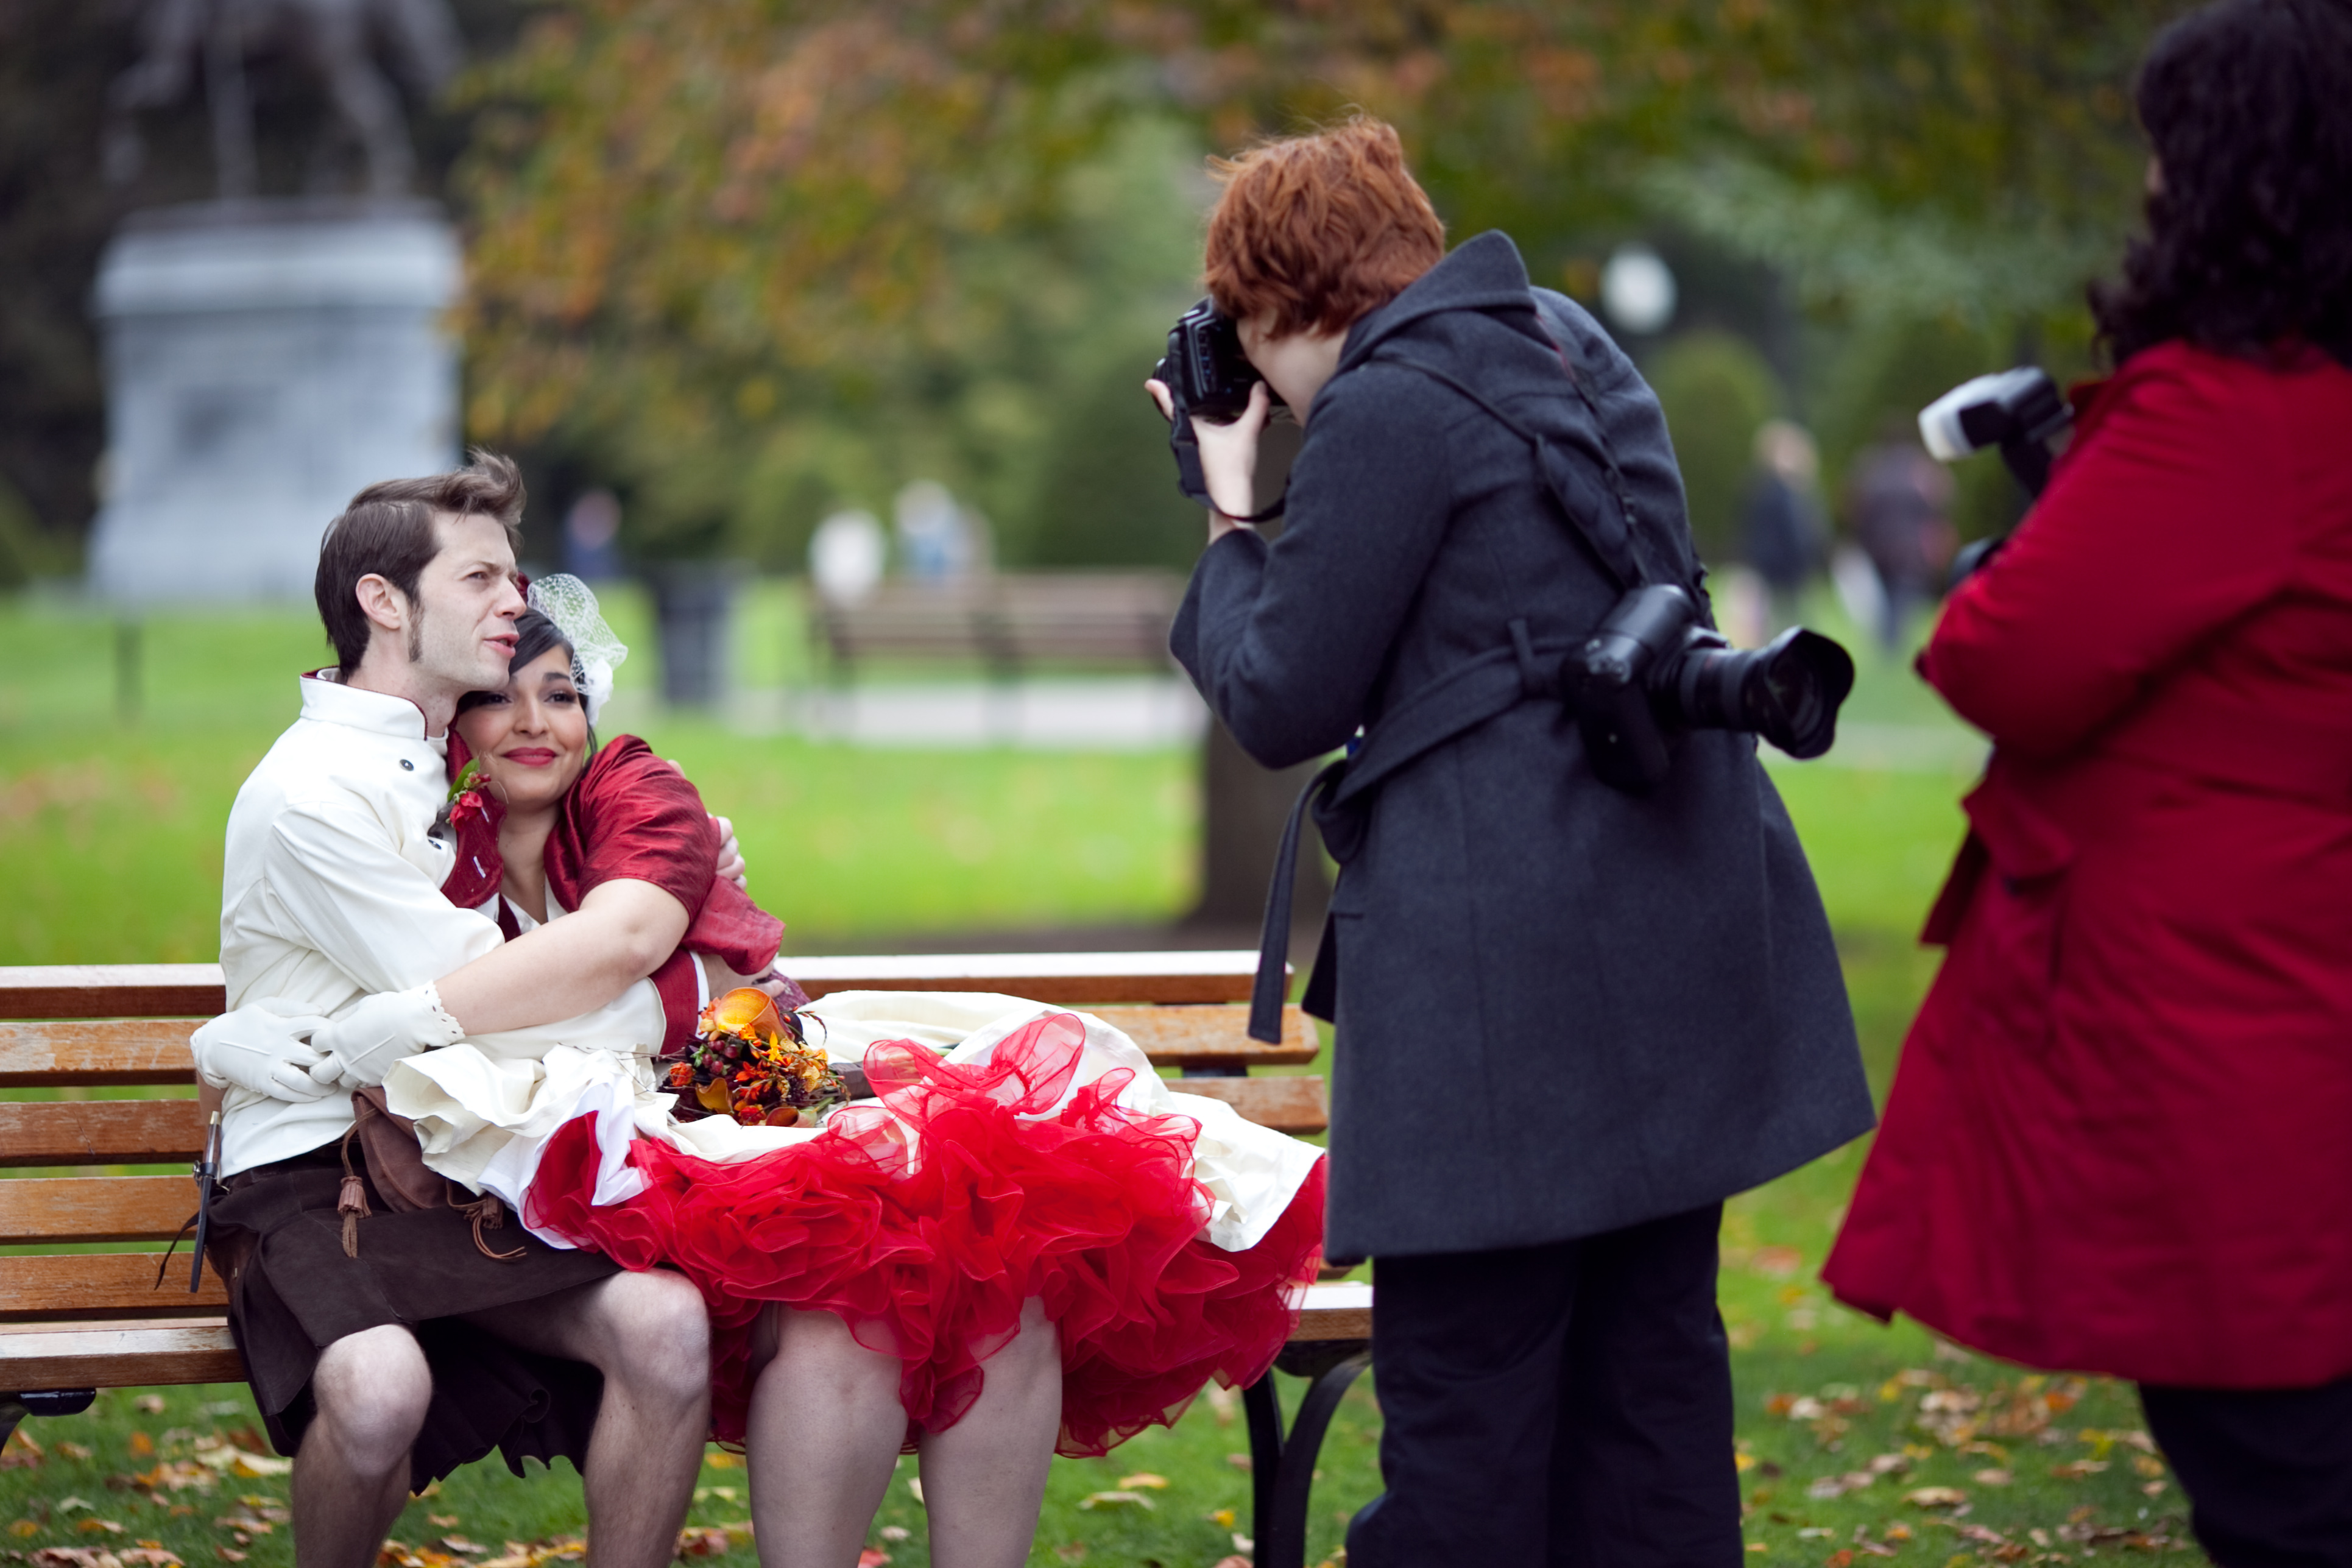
(2120, 1136)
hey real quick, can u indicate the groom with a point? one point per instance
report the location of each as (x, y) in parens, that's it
(384, 1349)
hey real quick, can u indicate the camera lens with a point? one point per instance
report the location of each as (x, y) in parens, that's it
(1788, 691)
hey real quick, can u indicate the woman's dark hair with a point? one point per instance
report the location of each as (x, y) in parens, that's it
(534, 635)
(2248, 105)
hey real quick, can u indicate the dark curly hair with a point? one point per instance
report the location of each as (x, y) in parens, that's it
(2248, 104)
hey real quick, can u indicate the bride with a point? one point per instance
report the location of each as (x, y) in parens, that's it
(1027, 1245)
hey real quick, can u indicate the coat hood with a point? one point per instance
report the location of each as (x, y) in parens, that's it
(1483, 274)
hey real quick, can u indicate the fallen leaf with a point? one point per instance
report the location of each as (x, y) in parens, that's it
(1239, 1461)
(152, 1404)
(1842, 1559)
(872, 1557)
(2077, 1470)
(2148, 1466)
(1224, 1403)
(228, 1555)
(26, 1527)
(1935, 1497)
(20, 1452)
(2155, 1489)
(1145, 1478)
(720, 1459)
(1993, 1477)
(439, 1520)
(915, 1484)
(704, 1542)
(99, 1527)
(141, 1445)
(1233, 1562)
(1776, 1262)
(149, 1555)
(1223, 1519)
(67, 1505)
(894, 1532)
(75, 1450)
(1115, 1500)
(460, 1543)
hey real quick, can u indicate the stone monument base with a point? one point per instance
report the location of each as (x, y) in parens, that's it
(265, 360)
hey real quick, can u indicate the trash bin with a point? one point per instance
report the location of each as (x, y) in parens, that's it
(693, 607)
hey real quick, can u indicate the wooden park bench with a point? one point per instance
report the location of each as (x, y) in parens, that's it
(73, 1321)
(1008, 622)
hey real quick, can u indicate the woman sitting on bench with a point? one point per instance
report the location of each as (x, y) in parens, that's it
(1029, 1245)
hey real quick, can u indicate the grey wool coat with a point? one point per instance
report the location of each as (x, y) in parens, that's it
(1561, 1010)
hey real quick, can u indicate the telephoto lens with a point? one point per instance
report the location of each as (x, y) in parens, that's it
(1652, 668)
(1788, 691)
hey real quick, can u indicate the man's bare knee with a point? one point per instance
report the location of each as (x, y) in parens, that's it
(372, 1389)
(653, 1332)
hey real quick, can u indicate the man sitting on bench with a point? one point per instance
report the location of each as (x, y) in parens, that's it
(386, 1348)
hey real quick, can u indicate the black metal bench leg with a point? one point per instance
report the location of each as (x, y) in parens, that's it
(1279, 1522)
(15, 1407)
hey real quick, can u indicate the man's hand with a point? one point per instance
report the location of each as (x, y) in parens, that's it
(358, 1049)
(731, 867)
(263, 1047)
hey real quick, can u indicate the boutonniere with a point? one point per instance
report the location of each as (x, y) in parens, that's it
(464, 800)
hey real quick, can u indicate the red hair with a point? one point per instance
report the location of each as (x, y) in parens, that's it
(1320, 229)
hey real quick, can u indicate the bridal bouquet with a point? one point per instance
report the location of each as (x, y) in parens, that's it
(749, 1059)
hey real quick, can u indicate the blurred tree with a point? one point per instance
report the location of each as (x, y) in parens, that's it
(1715, 390)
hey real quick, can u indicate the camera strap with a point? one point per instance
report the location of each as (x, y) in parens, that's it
(1606, 522)
(1194, 482)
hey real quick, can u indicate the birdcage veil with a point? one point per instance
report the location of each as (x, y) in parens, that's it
(595, 651)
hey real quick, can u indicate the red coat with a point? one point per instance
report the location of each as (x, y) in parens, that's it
(2120, 1135)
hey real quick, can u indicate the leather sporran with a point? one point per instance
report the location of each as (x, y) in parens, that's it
(396, 1166)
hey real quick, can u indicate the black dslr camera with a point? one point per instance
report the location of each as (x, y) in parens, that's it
(1653, 667)
(1205, 371)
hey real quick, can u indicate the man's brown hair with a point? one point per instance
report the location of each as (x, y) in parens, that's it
(1320, 229)
(388, 531)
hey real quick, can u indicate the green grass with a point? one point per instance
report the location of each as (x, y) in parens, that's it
(110, 851)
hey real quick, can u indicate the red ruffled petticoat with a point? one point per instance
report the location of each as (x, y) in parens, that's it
(928, 1251)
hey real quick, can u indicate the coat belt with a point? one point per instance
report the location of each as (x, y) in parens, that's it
(1526, 670)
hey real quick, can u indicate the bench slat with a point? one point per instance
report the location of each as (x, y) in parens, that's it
(111, 991)
(1286, 1104)
(1342, 1310)
(196, 991)
(102, 1285)
(100, 1132)
(117, 1051)
(1212, 1037)
(1073, 979)
(155, 1050)
(95, 1208)
(119, 1355)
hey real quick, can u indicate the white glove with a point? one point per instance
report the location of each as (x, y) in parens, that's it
(729, 867)
(262, 1048)
(358, 1049)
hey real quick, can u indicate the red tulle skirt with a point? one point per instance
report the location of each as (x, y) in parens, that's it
(927, 1246)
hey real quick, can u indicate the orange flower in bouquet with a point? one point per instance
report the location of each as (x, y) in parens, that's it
(750, 1059)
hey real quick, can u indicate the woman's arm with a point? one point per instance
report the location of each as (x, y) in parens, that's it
(2164, 525)
(622, 933)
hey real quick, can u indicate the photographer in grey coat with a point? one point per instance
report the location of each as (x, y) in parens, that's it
(1582, 984)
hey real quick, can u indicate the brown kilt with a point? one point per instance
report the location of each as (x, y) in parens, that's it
(277, 1241)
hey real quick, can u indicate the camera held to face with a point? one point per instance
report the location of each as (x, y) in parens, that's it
(1205, 371)
(1653, 667)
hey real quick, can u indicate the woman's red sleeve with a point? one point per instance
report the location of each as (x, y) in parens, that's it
(633, 816)
(2160, 526)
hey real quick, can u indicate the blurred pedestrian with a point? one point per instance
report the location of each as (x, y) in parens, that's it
(2117, 1139)
(1781, 535)
(1897, 498)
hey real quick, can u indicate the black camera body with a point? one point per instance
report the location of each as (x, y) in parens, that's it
(1653, 667)
(1205, 371)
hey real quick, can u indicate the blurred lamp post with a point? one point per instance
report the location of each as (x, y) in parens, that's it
(1637, 289)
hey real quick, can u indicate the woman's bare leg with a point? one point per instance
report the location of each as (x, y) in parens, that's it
(824, 1437)
(984, 1477)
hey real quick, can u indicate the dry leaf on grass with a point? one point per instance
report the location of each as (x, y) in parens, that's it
(1935, 1497)
(1144, 1478)
(1115, 1500)
(152, 1404)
